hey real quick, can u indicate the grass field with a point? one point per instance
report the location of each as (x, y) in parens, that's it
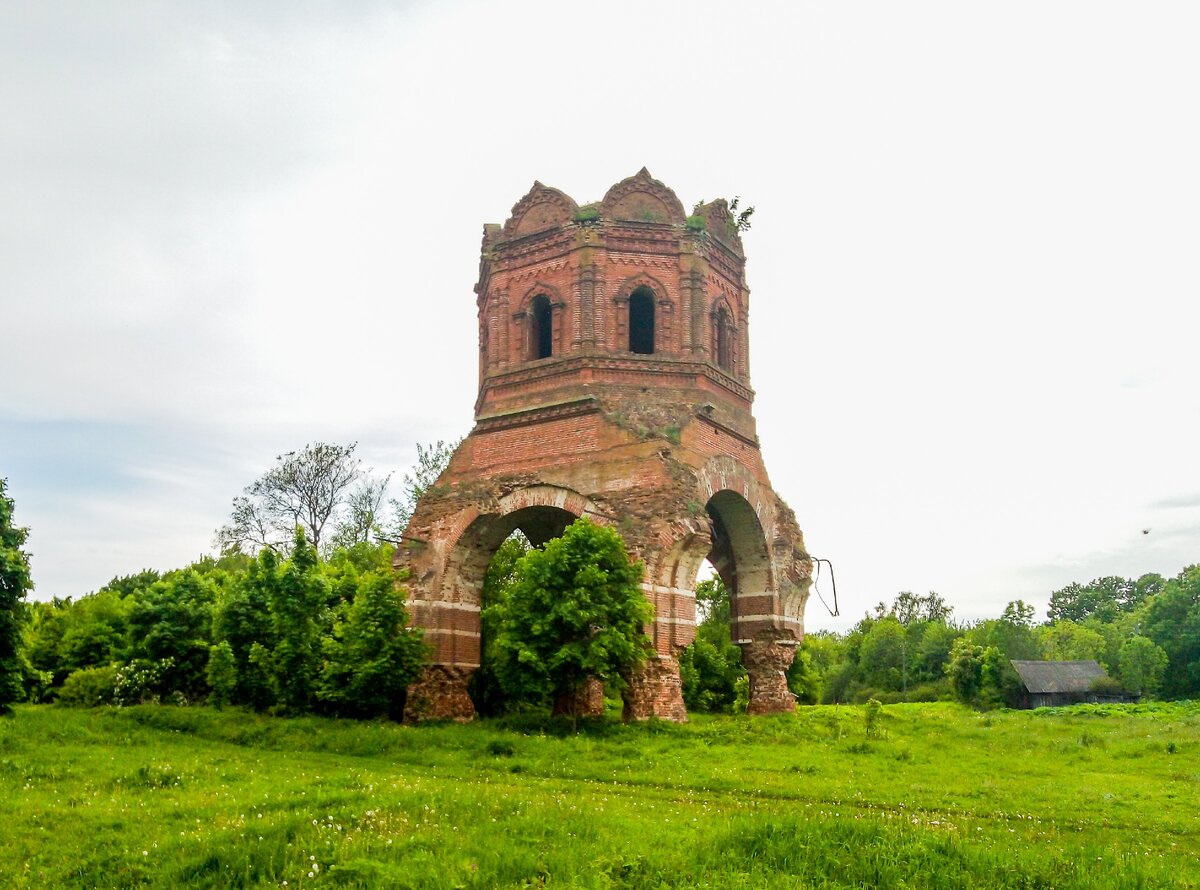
(942, 797)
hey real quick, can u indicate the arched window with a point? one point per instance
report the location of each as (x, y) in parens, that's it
(724, 337)
(641, 321)
(541, 341)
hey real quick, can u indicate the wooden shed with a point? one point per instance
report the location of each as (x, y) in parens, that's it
(1049, 683)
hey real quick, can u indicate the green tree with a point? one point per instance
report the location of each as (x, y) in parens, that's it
(711, 666)
(713, 602)
(486, 691)
(298, 599)
(257, 681)
(241, 619)
(45, 624)
(1104, 598)
(15, 582)
(127, 585)
(909, 608)
(883, 655)
(1172, 621)
(1018, 613)
(372, 655)
(173, 620)
(1065, 640)
(575, 610)
(222, 674)
(1012, 637)
(1142, 664)
(933, 650)
(1002, 684)
(97, 630)
(965, 670)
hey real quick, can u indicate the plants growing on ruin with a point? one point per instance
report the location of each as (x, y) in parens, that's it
(574, 610)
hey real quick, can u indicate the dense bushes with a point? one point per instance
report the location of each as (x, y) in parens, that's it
(292, 635)
(305, 634)
(1144, 633)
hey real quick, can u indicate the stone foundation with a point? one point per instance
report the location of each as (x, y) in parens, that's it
(655, 690)
(767, 662)
(440, 693)
(587, 701)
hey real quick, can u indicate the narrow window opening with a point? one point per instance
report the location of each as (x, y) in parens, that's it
(543, 331)
(724, 358)
(641, 321)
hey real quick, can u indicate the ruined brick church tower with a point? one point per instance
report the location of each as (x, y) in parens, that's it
(614, 383)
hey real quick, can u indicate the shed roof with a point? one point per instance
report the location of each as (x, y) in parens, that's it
(1058, 676)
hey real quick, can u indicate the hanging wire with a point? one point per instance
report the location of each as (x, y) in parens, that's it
(832, 579)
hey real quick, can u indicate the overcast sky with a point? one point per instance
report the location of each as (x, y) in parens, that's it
(229, 229)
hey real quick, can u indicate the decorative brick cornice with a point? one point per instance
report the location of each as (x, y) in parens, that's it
(550, 368)
(539, 414)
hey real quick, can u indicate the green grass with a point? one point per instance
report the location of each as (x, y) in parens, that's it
(166, 797)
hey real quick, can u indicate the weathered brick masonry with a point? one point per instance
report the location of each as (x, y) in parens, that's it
(614, 383)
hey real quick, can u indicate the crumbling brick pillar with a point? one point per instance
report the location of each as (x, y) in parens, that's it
(587, 701)
(767, 661)
(440, 693)
(655, 690)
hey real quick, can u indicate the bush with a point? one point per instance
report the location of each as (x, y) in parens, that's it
(741, 688)
(575, 610)
(872, 711)
(90, 687)
(222, 674)
(141, 681)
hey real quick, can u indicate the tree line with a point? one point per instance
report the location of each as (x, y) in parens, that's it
(319, 625)
(316, 621)
(1144, 632)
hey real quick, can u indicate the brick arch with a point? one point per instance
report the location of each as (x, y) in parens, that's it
(642, 198)
(671, 582)
(523, 317)
(539, 289)
(724, 473)
(542, 208)
(742, 557)
(663, 304)
(449, 612)
(743, 517)
(552, 496)
(724, 350)
(641, 279)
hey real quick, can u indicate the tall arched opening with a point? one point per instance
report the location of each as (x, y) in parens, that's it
(739, 555)
(452, 625)
(742, 559)
(641, 321)
(541, 339)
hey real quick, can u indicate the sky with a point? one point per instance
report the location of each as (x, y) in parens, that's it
(230, 229)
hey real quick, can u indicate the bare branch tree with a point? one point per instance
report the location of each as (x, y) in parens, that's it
(363, 518)
(305, 488)
(431, 461)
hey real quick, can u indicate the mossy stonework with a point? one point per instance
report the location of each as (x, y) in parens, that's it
(614, 383)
